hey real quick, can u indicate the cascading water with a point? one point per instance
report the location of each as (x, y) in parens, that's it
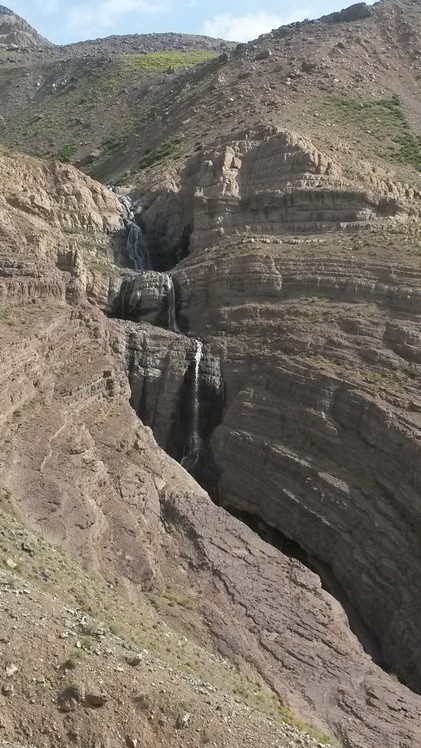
(136, 248)
(172, 317)
(127, 204)
(194, 443)
(128, 305)
(128, 300)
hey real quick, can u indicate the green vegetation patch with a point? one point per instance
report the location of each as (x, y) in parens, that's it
(174, 598)
(159, 61)
(169, 148)
(111, 144)
(381, 119)
(7, 317)
(67, 153)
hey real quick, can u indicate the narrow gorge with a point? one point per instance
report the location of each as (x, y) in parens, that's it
(284, 442)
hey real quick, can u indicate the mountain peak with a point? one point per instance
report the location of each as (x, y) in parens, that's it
(16, 33)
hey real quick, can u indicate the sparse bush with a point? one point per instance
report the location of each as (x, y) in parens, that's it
(174, 598)
(156, 61)
(73, 660)
(88, 643)
(67, 153)
(89, 629)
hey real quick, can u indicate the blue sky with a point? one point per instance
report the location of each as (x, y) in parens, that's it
(65, 21)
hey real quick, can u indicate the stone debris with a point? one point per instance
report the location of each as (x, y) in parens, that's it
(131, 742)
(183, 720)
(95, 699)
(133, 660)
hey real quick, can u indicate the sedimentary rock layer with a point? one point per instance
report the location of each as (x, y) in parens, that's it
(266, 181)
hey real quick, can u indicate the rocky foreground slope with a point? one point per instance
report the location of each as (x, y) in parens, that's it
(276, 322)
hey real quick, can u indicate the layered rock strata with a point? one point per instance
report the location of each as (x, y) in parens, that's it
(265, 181)
(323, 439)
(77, 463)
(58, 230)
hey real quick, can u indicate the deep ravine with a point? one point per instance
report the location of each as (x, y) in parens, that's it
(191, 447)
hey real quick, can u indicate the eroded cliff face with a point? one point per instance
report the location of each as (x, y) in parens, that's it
(267, 181)
(297, 431)
(16, 33)
(58, 231)
(319, 434)
(313, 339)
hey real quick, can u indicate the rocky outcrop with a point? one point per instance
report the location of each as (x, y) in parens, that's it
(144, 44)
(16, 33)
(144, 296)
(58, 230)
(57, 194)
(356, 12)
(157, 363)
(264, 181)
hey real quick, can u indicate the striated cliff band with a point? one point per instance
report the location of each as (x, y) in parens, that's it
(210, 408)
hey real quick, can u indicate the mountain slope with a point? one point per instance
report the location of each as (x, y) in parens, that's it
(314, 69)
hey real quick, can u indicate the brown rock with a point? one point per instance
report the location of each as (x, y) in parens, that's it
(95, 700)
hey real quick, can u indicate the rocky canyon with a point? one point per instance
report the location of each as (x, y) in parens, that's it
(210, 360)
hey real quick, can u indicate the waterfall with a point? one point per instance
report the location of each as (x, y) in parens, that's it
(194, 443)
(195, 435)
(128, 298)
(127, 204)
(172, 317)
(136, 248)
(120, 304)
(124, 200)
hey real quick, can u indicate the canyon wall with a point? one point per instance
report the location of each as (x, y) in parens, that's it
(77, 464)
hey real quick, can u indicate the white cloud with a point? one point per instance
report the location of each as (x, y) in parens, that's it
(104, 14)
(250, 26)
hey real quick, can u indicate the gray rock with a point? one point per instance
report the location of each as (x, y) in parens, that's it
(264, 54)
(356, 12)
(28, 549)
(131, 742)
(134, 660)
